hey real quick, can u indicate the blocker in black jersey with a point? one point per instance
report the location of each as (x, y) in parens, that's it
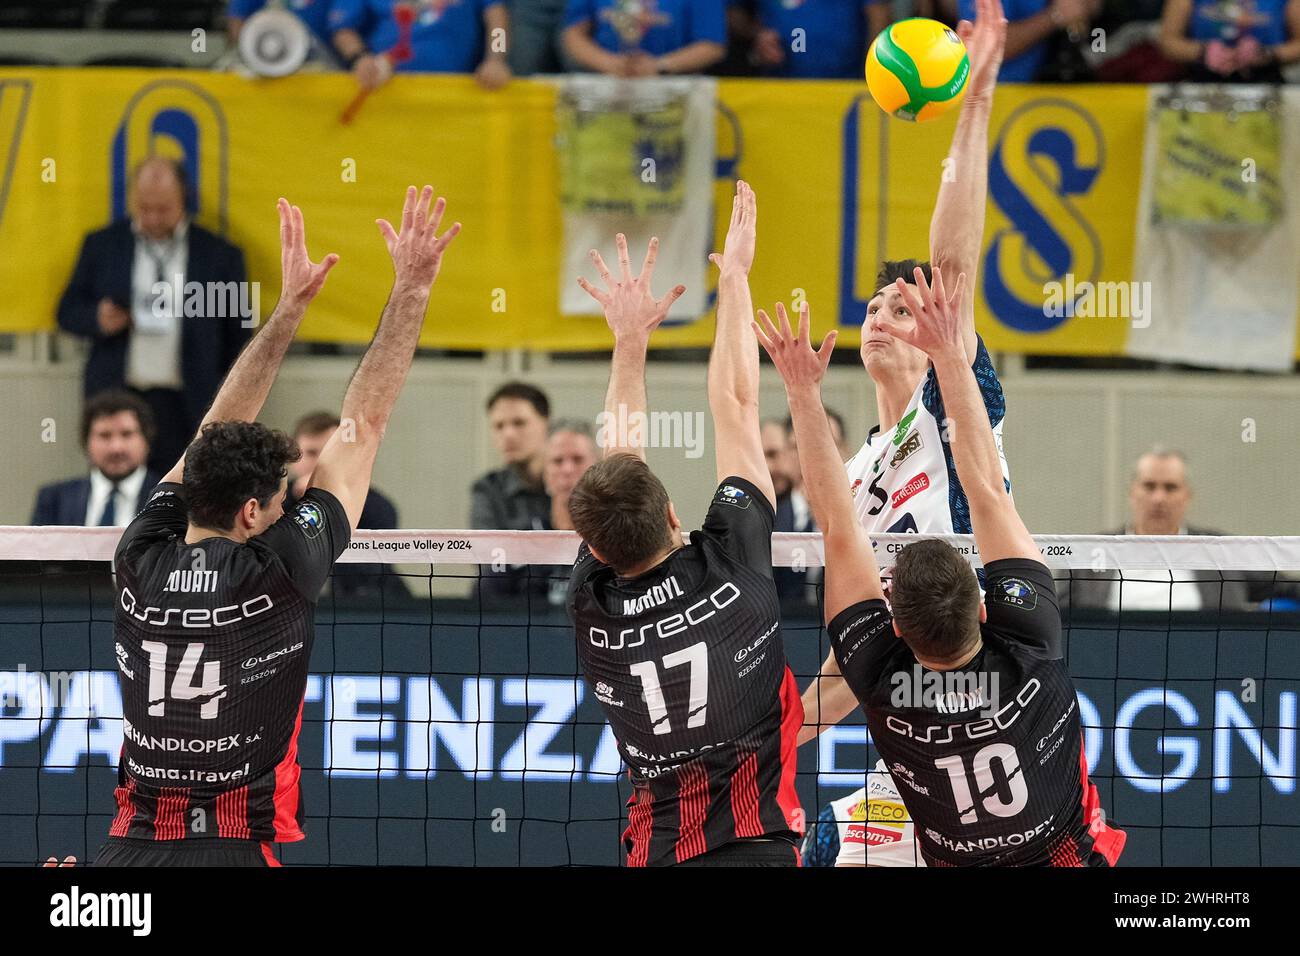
(213, 640)
(688, 663)
(988, 757)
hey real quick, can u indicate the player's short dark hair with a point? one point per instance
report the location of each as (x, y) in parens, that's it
(935, 600)
(231, 462)
(111, 402)
(892, 270)
(313, 423)
(522, 390)
(620, 508)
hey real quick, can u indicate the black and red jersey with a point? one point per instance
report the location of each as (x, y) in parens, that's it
(212, 643)
(688, 663)
(988, 757)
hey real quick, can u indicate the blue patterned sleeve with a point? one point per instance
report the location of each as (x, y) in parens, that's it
(822, 844)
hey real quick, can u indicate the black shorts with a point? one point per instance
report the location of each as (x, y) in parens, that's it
(122, 852)
(752, 852)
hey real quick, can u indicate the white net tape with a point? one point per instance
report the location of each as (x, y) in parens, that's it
(1083, 552)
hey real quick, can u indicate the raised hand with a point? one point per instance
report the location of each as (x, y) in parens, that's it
(938, 327)
(301, 279)
(417, 249)
(793, 355)
(630, 307)
(985, 40)
(738, 253)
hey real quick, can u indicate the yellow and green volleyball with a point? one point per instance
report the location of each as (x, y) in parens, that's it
(917, 69)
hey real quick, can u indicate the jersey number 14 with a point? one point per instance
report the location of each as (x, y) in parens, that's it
(211, 690)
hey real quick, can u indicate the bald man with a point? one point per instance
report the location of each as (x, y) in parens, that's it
(1158, 497)
(172, 350)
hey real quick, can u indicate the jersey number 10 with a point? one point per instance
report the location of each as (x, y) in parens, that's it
(982, 764)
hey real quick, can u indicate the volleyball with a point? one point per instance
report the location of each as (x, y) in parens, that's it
(917, 69)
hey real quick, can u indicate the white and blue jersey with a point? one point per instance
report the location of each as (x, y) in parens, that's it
(904, 477)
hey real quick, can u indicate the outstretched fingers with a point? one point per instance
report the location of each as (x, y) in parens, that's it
(624, 262)
(666, 303)
(594, 292)
(386, 230)
(602, 269)
(648, 266)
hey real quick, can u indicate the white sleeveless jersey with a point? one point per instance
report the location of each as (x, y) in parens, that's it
(904, 478)
(875, 829)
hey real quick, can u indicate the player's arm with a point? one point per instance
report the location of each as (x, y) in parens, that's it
(851, 572)
(957, 226)
(632, 313)
(249, 381)
(826, 701)
(733, 363)
(999, 531)
(348, 457)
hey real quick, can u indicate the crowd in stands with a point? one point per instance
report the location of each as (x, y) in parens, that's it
(495, 40)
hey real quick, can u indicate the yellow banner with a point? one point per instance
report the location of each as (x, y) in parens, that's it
(840, 187)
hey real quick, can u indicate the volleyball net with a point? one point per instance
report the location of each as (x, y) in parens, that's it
(445, 721)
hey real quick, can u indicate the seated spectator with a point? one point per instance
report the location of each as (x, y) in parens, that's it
(314, 13)
(796, 586)
(536, 37)
(645, 37)
(814, 39)
(116, 428)
(139, 341)
(570, 451)
(1232, 42)
(513, 498)
(445, 38)
(1031, 24)
(312, 432)
(1159, 495)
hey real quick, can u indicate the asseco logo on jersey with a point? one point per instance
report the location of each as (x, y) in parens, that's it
(918, 484)
(672, 624)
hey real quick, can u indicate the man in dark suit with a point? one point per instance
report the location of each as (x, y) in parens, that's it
(116, 428)
(795, 586)
(164, 304)
(311, 432)
(1159, 495)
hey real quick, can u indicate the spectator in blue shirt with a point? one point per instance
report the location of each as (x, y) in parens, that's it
(1031, 23)
(645, 37)
(448, 36)
(807, 39)
(314, 13)
(1236, 42)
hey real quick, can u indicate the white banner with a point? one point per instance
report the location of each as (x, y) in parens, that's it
(1218, 294)
(637, 157)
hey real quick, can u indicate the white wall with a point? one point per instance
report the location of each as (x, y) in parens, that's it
(1071, 436)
